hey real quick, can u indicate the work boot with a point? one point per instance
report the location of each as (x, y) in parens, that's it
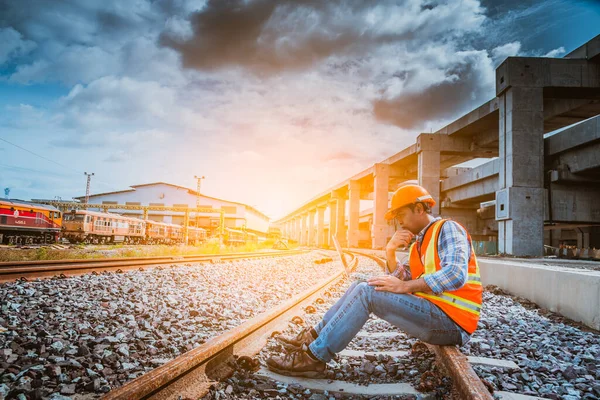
(295, 342)
(297, 363)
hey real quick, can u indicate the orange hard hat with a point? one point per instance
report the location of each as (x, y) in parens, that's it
(406, 195)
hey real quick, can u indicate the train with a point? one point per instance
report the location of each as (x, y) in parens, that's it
(236, 237)
(23, 222)
(84, 226)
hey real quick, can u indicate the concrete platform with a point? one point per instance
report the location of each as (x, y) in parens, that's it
(571, 292)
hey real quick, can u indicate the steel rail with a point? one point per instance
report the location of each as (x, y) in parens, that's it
(191, 374)
(455, 363)
(31, 270)
(5, 264)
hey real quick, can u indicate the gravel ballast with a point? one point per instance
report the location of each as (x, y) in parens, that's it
(91, 333)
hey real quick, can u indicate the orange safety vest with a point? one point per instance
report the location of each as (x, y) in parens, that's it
(462, 305)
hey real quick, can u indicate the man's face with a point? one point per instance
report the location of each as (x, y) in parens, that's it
(407, 219)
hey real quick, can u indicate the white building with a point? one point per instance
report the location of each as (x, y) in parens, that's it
(237, 215)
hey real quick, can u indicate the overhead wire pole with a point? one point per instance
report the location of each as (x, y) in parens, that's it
(198, 184)
(87, 187)
(187, 222)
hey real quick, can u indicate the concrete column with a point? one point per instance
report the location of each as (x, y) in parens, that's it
(321, 239)
(311, 228)
(297, 230)
(332, 221)
(520, 200)
(379, 230)
(429, 175)
(583, 238)
(353, 213)
(340, 223)
(303, 238)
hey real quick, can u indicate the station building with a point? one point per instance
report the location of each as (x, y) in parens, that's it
(236, 215)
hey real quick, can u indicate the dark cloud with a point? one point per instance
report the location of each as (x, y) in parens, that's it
(464, 86)
(270, 35)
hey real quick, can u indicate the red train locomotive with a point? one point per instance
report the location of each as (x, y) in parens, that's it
(23, 222)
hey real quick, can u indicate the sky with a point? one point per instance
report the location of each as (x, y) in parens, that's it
(272, 101)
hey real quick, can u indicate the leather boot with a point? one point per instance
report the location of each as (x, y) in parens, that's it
(295, 342)
(297, 363)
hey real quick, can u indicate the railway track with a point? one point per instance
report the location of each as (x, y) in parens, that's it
(192, 374)
(27, 270)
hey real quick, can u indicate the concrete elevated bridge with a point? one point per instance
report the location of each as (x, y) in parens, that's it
(542, 135)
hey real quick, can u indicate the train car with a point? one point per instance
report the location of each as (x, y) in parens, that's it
(157, 232)
(23, 222)
(196, 235)
(137, 230)
(99, 227)
(175, 233)
(234, 237)
(237, 237)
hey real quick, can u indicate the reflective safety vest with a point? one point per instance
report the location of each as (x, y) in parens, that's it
(462, 305)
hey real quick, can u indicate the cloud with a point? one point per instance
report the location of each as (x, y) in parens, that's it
(555, 53)
(126, 103)
(117, 156)
(71, 64)
(500, 53)
(341, 155)
(459, 82)
(13, 45)
(401, 58)
(258, 35)
(73, 42)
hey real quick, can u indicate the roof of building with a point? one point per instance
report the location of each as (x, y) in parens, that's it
(191, 191)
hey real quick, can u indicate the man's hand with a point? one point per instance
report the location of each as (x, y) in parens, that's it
(388, 283)
(401, 238)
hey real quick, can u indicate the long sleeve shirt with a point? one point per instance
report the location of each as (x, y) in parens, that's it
(454, 251)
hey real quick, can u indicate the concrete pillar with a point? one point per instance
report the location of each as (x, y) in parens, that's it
(429, 175)
(520, 200)
(303, 238)
(297, 229)
(310, 237)
(332, 221)
(583, 238)
(353, 213)
(321, 239)
(381, 176)
(340, 222)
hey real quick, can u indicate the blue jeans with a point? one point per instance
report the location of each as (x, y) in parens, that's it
(414, 315)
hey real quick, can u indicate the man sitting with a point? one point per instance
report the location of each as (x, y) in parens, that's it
(436, 297)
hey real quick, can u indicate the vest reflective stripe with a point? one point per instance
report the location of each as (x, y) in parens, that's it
(455, 301)
(474, 279)
(430, 255)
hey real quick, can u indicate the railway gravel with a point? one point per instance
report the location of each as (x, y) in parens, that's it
(90, 333)
(557, 359)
